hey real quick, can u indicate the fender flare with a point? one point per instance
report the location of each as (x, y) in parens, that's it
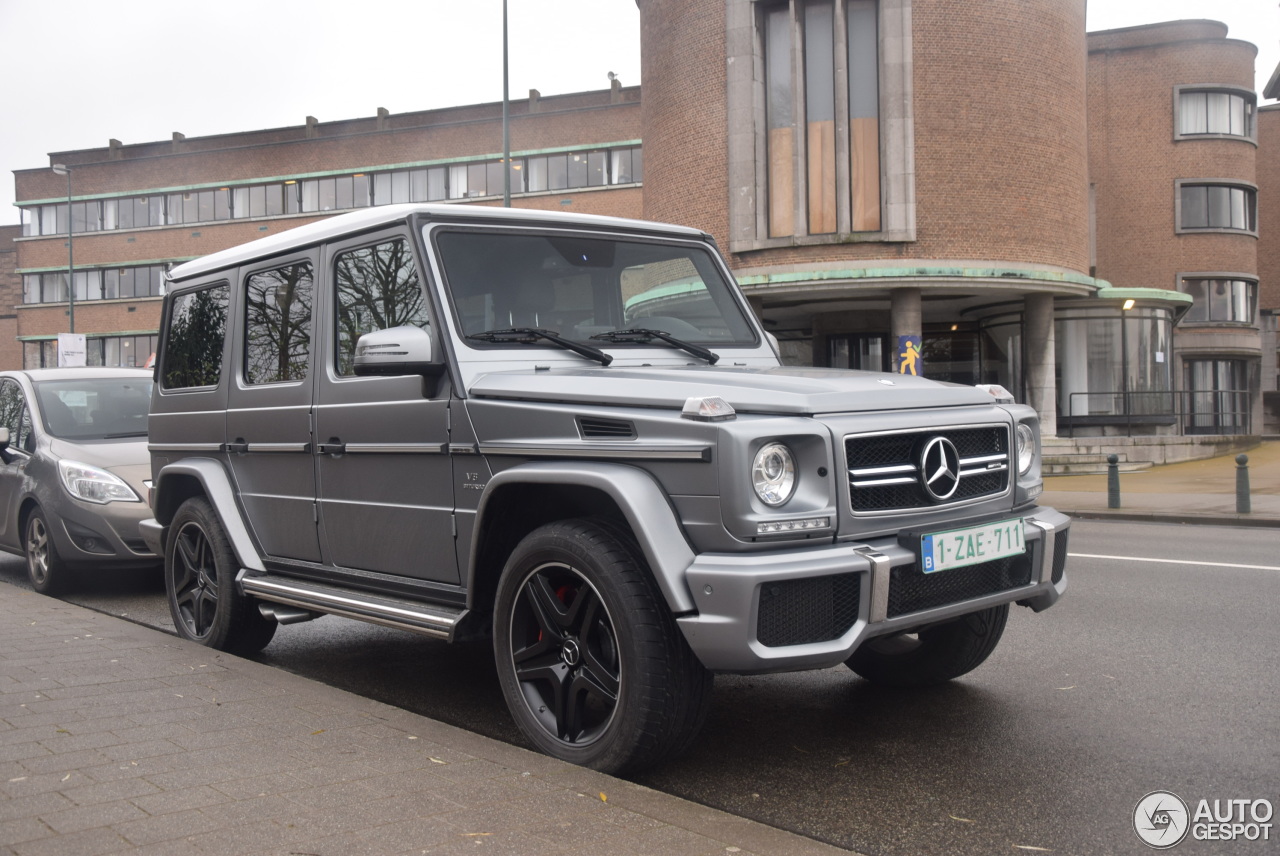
(648, 512)
(216, 484)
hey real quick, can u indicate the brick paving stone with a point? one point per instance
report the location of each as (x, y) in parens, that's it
(91, 816)
(167, 827)
(89, 842)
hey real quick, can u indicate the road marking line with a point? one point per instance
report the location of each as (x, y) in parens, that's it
(1175, 562)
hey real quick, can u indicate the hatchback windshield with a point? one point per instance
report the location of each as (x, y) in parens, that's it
(581, 288)
(95, 408)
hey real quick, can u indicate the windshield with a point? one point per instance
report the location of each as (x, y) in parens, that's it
(95, 408)
(583, 287)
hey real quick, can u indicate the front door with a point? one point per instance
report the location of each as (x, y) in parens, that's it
(269, 440)
(16, 416)
(385, 478)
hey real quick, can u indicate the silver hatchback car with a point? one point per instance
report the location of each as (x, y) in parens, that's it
(73, 470)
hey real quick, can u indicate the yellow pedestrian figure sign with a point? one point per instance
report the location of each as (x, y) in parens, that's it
(908, 355)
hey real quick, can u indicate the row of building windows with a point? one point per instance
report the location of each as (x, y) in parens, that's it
(1221, 300)
(132, 351)
(542, 173)
(95, 284)
(1226, 113)
(1218, 206)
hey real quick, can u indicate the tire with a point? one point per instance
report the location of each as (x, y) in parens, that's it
(591, 662)
(199, 580)
(934, 655)
(46, 570)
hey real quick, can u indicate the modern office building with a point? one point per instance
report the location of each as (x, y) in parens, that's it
(994, 194)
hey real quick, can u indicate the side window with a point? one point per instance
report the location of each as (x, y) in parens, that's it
(15, 416)
(377, 288)
(277, 326)
(193, 344)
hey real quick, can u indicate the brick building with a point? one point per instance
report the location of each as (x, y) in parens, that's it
(1073, 217)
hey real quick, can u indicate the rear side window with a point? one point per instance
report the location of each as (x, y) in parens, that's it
(377, 288)
(278, 324)
(193, 344)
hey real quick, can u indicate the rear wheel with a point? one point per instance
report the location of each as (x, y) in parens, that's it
(46, 570)
(933, 655)
(199, 574)
(592, 665)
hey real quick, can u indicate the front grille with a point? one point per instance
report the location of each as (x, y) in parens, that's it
(813, 609)
(884, 469)
(913, 591)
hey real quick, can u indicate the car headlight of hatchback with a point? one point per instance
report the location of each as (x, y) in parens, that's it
(1026, 447)
(94, 484)
(773, 474)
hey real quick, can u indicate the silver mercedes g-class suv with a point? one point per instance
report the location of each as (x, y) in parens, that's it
(571, 434)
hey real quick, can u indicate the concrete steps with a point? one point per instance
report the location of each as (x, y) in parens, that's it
(1088, 455)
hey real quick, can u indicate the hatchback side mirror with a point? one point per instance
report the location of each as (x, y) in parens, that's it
(5, 455)
(397, 351)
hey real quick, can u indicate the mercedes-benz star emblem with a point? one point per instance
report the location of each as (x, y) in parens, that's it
(570, 653)
(940, 468)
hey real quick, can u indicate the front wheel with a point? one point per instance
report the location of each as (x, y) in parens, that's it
(591, 662)
(46, 570)
(199, 579)
(933, 655)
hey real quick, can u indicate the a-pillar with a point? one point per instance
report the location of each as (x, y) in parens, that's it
(904, 305)
(1037, 333)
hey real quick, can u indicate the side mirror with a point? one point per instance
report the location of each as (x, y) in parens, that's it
(397, 351)
(5, 455)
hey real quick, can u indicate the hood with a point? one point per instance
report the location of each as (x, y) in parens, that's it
(129, 459)
(780, 390)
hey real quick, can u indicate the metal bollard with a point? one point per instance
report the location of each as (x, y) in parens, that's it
(1113, 481)
(1243, 504)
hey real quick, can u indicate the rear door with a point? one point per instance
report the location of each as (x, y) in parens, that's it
(269, 440)
(385, 479)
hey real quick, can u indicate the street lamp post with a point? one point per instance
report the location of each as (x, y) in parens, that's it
(63, 169)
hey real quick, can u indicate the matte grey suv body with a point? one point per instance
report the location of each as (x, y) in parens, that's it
(571, 433)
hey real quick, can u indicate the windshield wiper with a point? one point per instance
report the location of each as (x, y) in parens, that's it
(642, 334)
(529, 335)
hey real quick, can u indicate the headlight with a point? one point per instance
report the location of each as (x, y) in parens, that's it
(1026, 447)
(93, 484)
(773, 474)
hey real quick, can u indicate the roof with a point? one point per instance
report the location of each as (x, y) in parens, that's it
(372, 218)
(78, 372)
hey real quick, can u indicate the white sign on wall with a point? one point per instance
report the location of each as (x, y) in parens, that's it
(71, 349)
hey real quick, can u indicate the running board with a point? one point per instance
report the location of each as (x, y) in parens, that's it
(415, 616)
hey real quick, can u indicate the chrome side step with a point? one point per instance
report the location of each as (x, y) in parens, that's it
(433, 620)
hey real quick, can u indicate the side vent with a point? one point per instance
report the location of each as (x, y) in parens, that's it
(595, 428)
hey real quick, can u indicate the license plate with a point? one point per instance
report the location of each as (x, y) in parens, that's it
(942, 551)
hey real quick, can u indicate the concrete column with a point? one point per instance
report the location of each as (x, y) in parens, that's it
(905, 320)
(1037, 334)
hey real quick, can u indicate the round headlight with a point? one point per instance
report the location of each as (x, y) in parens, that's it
(1026, 447)
(773, 474)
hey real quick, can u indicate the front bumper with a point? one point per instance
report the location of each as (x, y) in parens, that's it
(824, 602)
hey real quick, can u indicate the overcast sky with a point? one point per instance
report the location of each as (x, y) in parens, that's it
(83, 71)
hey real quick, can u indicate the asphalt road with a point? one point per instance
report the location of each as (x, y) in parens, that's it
(1148, 675)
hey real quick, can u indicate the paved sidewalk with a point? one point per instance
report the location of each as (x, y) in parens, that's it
(1191, 492)
(116, 738)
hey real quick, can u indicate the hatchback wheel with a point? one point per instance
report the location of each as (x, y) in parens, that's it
(199, 575)
(46, 570)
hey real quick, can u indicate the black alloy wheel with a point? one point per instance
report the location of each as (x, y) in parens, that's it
(199, 574)
(591, 662)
